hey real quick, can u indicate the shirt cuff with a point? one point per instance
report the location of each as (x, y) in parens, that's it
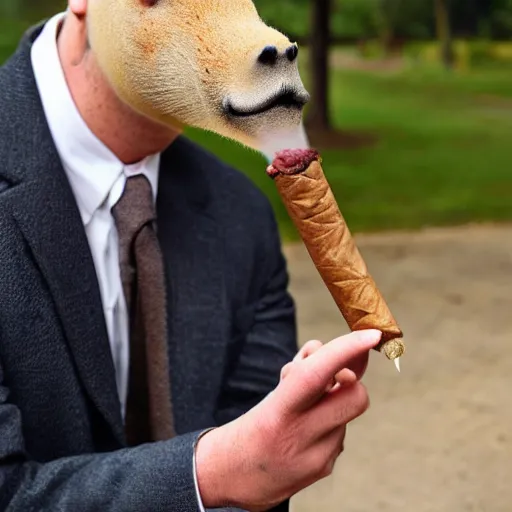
(198, 494)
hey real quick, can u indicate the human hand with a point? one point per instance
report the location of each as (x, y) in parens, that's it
(355, 369)
(292, 438)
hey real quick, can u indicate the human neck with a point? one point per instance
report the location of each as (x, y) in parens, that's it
(129, 135)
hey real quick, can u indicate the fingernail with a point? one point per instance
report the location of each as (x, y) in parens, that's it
(370, 335)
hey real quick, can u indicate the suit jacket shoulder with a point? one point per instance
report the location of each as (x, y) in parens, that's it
(238, 204)
(227, 187)
(246, 227)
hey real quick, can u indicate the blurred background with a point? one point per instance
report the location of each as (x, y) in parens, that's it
(412, 111)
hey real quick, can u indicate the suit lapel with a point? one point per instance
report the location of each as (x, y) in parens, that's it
(48, 216)
(192, 248)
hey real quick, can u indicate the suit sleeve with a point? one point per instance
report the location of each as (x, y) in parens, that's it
(271, 341)
(156, 476)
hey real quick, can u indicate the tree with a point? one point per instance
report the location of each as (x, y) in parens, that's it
(444, 33)
(318, 114)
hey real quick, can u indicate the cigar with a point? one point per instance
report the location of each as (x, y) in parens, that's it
(306, 193)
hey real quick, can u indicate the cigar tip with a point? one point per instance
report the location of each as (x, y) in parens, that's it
(294, 161)
(393, 349)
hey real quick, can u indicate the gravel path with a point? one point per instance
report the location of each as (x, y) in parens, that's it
(438, 437)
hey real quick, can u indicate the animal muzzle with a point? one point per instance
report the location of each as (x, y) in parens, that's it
(288, 97)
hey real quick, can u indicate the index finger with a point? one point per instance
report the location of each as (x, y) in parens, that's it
(317, 371)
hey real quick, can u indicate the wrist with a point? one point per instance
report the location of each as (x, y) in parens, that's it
(215, 468)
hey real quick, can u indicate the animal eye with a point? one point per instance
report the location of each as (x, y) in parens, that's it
(149, 3)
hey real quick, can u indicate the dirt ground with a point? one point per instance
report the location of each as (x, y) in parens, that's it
(438, 436)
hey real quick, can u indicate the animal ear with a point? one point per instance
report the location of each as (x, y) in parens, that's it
(78, 7)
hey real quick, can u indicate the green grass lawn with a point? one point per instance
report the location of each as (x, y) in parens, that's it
(444, 154)
(443, 157)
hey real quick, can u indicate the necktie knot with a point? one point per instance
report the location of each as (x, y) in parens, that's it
(135, 208)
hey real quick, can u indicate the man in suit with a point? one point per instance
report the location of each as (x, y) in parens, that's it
(144, 312)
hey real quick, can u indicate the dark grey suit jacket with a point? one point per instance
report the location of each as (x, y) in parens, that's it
(231, 321)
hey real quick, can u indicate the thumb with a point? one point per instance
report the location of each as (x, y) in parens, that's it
(307, 382)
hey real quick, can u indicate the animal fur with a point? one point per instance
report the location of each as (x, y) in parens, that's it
(183, 61)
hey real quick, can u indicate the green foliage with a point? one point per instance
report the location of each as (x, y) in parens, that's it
(16, 16)
(351, 19)
(289, 16)
(10, 33)
(500, 20)
(405, 18)
(412, 19)
(477, 54)
(30, 10)
(355, 19)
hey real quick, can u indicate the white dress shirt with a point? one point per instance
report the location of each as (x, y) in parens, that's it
(97, 178)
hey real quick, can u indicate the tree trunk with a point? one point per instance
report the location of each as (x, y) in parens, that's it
(318, 113)
(444, 33)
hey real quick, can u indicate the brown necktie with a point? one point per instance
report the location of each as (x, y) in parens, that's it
(148, 407)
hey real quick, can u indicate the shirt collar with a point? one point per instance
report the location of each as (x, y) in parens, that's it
(91, 167)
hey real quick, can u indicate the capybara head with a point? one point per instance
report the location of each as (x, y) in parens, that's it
(212, 64)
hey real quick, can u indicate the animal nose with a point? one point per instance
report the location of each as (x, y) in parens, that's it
(270, 54)
(292, 52)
